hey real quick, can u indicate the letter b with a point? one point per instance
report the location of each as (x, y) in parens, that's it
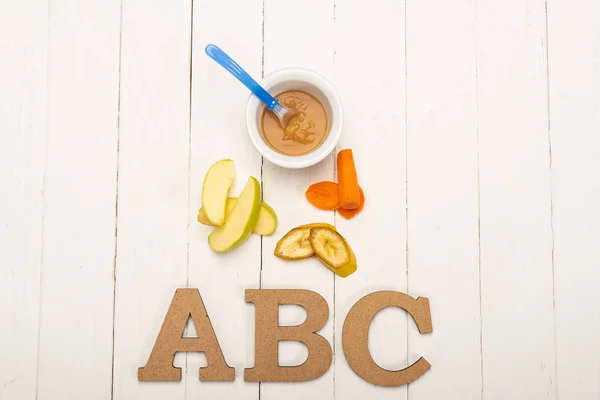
(268, 333)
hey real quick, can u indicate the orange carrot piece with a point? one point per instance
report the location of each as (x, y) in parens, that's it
(324, 195)
(347, 180)
(351, 213)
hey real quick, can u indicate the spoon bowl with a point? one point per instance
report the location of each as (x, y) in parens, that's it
(284, 114)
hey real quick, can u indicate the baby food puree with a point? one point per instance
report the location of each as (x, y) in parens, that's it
(305, 131)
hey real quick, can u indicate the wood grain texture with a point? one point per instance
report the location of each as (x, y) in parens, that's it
(153, 217)
(284, 189)
(111, 113)
(218, 131)
(574, 57)
(79, 201)
(373, 94)
(23, 49)
(443, 243)
(516, 231)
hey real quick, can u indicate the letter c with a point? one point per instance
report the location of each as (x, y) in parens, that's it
(356, 330)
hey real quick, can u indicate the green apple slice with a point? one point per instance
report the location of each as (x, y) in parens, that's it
(267, 218)
(215, 190)
(231, 202)
(241, 222)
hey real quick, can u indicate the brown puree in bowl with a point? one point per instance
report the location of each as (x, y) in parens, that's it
(304, 133)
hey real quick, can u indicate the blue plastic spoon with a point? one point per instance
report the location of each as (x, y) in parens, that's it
(283, 113)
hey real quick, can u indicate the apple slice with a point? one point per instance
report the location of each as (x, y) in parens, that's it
(267, 218)
(241, 222)
(231, 202)
(217, 183)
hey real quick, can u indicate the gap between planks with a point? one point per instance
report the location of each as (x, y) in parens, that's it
(551, 200)
(116, 248)
(187, 270)
(478, 197)
(262, 160)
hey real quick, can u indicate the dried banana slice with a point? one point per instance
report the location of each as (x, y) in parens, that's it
(333, 251)
(329, 246)
(295, 244)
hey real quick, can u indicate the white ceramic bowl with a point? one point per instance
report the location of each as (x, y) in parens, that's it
(307, 81)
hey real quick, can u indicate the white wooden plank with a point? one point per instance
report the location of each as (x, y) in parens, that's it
(310, 47)
(443, 242)
(574, 72)
(79, 201)
(23, 44)
(219, 131)
(153, 213)
(372, 89)
(516, 232)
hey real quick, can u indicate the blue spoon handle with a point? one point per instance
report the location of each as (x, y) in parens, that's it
(227, 62)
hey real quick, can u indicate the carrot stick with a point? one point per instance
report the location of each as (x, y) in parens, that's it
(351, 213)
(347, 180)
(324, 195)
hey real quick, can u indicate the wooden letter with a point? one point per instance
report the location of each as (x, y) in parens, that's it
(356, 330)
(186, 304)
(268, 333)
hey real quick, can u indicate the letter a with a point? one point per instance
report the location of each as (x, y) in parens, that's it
(186, 304)
(268, 333)
(356, 330)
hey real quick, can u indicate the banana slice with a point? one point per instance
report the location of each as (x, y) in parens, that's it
(295, 244)
(333, 251)
(330, 247)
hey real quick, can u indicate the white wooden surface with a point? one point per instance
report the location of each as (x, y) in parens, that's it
(476, 131)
